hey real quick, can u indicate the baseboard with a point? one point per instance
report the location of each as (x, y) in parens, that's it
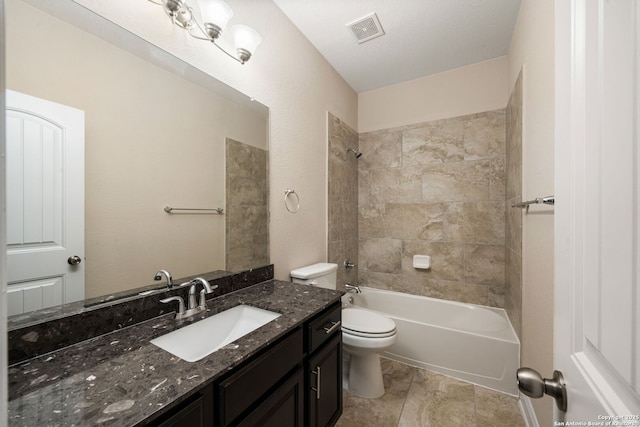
(529, 415)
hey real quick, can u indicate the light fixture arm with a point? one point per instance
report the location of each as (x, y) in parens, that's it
(209, 37)
(182, 15)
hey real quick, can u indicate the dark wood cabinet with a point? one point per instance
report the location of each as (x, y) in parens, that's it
(324, 376)
(250, 385)
(284, 407)
(323, 368)
(197, 411)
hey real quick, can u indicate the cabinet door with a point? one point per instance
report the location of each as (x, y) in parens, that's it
(196, 412)
(324, 384)
(283, 408)
(249, 385)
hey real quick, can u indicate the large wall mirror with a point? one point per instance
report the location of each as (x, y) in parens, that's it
(157, 133)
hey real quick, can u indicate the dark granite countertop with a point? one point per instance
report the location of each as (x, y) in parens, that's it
(121, 379)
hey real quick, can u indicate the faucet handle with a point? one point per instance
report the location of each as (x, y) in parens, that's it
(180, 304)
(202, 303)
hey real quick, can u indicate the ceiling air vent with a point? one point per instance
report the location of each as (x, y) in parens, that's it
(366, 28)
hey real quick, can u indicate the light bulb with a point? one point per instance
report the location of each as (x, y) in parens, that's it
(215, 14)
(246, 40)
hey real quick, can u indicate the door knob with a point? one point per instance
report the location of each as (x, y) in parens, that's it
(531, 383)
(74, 260)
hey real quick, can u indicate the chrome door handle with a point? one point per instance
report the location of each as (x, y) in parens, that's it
(531, 383)
(74, 260)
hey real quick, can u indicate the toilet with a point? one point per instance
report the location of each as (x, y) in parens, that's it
(365, 334)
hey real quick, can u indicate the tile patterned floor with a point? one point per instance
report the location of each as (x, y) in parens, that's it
(419, 398)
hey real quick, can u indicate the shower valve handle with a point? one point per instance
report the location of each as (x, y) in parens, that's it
(348, 265)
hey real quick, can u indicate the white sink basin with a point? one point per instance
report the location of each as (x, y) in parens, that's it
(202, 338)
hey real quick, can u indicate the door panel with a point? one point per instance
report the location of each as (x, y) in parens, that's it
(45, 202)
(597, 297)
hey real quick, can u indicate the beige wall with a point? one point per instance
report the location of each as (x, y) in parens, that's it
(291, 77)
(532, 50)
(137, 158)
(467, 90)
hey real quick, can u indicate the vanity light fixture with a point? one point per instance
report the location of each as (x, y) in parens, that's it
(215, 16)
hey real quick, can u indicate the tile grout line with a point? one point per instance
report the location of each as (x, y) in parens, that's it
(404, 401)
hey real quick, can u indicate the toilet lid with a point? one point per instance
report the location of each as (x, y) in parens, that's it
(361, 321)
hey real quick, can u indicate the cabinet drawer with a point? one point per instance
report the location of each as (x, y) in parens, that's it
(323, 327)
(242, 389)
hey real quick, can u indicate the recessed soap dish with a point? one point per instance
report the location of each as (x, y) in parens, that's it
(421, 261)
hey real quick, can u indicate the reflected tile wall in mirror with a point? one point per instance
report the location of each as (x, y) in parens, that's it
(247, 224)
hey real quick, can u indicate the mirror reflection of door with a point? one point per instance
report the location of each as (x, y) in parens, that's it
(45, 203)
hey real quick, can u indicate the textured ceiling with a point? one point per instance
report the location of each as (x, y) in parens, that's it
(422, 37)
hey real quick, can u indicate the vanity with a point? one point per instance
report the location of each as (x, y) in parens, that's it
(287, 372)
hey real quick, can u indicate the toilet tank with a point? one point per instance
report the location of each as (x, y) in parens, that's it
(322, 275)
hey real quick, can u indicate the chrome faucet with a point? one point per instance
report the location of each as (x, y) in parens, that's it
(208, 289)
(192, 308)
(166, 274)
(352, 288)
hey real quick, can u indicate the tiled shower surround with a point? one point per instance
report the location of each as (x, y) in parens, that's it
(513, 238)
(434, 188)
(247, 216)
(343, 199)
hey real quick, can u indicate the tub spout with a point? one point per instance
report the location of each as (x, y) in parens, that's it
(352, 288)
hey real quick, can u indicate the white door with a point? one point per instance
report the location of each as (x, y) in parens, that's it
(45, 203)
(597, 211)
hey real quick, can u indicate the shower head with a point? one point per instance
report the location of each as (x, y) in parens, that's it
(355, 153)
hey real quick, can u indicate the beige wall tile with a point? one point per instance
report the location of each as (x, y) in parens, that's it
(414, 221)
(484, 137)
(479, 222)
(380, 150)
(459, 181)
(247, 212)
(371, 221)
(513, 225)
(457, 291)
(484, 264)
(497, 180)
(403, 185)
(447, 193)
(447, 259)
(436, 142)
(380, 255)
(342, 199)
(392, 282)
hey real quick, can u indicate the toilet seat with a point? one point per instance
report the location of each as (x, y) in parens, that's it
(365, 323)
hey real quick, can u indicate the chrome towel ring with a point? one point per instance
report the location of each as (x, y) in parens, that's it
(287, 193)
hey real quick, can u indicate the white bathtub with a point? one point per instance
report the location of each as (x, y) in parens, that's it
(470, 342)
